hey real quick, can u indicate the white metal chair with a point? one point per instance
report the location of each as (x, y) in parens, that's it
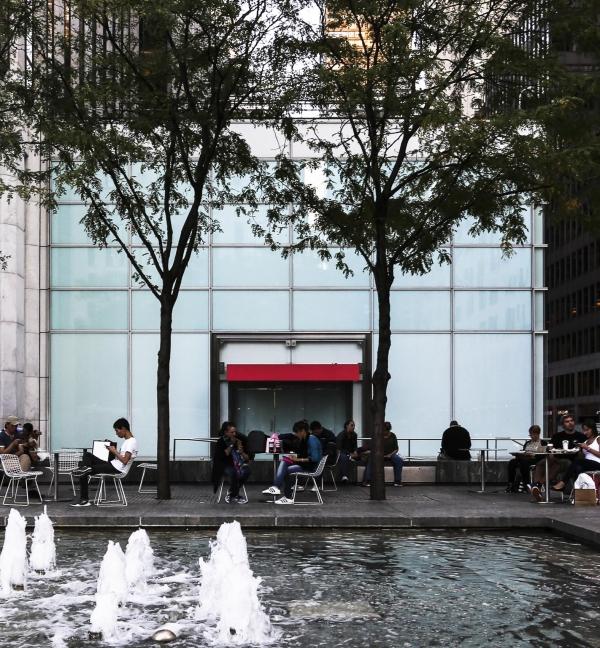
(310, 476)
(144, 467)
(15, 474)
(222, 484)
(68, 463)
(331, 468)
(101, 497)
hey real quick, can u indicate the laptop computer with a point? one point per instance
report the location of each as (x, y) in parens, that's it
(100, 449)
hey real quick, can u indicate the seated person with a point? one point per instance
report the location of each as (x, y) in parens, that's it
(557, 464)
(347, 444)
(231, 460)
(324, 435)
(456, 442)
(309, 453)
(591, 456)
(11, 442)
(94, 466)
(524, 462)
(390, 453)
(31, 442)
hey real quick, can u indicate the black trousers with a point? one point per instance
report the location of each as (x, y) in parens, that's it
(523, 465)
(236, 481)
(579, 466)
(98, 466)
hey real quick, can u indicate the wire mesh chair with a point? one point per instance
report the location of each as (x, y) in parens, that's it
(68, 463)
(15, 474)
(310, 476)
(221, 486)
(101, 497)
(331, 469)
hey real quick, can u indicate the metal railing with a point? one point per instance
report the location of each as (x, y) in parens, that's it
(198, 439)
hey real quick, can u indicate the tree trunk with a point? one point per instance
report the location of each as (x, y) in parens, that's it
(380, 381)
(163, 377)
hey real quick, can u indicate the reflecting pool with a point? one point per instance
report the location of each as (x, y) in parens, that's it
(350, 589)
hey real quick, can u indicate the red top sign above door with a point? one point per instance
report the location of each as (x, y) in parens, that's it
(293, 372)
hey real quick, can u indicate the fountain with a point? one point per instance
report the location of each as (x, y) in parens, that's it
(13, 559)
(229, 593)
(112, 591)
(43, 549)
(139, 558)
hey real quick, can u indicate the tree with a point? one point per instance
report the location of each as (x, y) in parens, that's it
(412, 138)
(154, 87)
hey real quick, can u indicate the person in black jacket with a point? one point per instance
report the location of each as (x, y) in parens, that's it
(231, 460)
(456, 442)
(347, 444)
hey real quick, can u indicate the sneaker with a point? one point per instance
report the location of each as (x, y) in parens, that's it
(272, 490)
(536, 493)
(284, 500)
(397, 484)
(82, 503)
(365, 484)
(299, 489)
(241, 500)
(345, 479)
(82, 471)
(314, 489)
(227, 498)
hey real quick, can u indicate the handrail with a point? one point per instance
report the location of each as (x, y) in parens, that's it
(201, 439)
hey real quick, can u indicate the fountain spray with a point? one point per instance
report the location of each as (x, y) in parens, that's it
(111, 592)
(43, 549)
(13, 559)
(140, 560)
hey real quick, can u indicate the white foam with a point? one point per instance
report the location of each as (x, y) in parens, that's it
(43, 549)
(13, 559)
(229, 593)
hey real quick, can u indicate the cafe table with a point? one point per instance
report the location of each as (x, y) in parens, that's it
(482, 452)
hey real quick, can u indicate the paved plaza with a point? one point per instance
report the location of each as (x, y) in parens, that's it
(418, 507)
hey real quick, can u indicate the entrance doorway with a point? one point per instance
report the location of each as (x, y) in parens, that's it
(275, 407)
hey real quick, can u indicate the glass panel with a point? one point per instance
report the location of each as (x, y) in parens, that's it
(89, 387)
(462, 236)
(538, 413)
(428, 310)
(190, 312)
(83, 267)
(311, 271)
(331, 310)
(89, 309)
(487, 268)
(189, 391)
(236, 310)
(71, 195)
(492, 384)
(249, 267)
(420, 369)
(196, 274)
(489, 310)
(67, 229)
(238, 229)
(438, 276)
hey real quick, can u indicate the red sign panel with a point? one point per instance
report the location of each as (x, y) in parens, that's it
(293, 372)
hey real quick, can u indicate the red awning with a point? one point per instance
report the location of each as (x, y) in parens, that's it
(293, 372)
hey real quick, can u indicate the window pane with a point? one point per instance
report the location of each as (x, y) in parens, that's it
(88, 309)
(89, 387)
(492, 384)
(418, 311)
(238, 229)
(71, 195)
(420, 369)
(492, 310)
(310, 270)
(88, 267)
(236, 310)
(438, 276)
(462, 236)
(67, 229)
(190, 312)
(331, 310)
(196, 274)
(249, 267)
(189, 390)
(487, 268)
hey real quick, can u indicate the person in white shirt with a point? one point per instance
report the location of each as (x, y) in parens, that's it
(591, 456)
(94, 466)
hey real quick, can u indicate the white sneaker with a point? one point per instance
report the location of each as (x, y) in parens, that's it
(284, 500)
(345, 479)
(241, 500)
(299, 489)
(272, 490)
(314, 489)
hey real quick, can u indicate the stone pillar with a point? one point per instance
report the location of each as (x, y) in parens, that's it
(12, 306)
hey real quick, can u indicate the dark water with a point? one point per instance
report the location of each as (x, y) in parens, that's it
(382, 588)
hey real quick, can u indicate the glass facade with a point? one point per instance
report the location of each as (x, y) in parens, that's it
(465, 337)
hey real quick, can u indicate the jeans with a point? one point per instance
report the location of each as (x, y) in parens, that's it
(98, 466)
(236, 481)
(345, 464)
(283, 471)
(397, 462)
